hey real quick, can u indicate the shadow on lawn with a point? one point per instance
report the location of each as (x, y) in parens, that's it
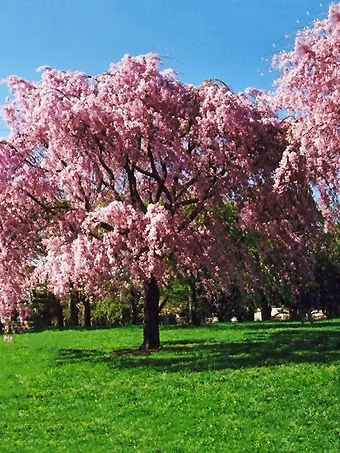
(301, 346)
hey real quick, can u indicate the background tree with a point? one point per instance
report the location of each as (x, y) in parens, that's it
(308, 93)
(327, 273)
(46, 309)
(307, 96)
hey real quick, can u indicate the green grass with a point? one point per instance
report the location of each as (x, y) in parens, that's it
(264, 387)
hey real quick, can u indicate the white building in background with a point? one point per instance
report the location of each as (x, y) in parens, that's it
(281, 314)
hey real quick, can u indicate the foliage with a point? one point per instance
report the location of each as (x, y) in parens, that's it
(176, 299)
(108, 312)
(254, 388)
(117, 308)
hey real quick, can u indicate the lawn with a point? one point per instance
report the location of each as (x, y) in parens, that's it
(247, 387)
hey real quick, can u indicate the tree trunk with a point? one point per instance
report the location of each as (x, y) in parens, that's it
(74, 310)
(195, 319)
(293, 313)
(87, 311)
(266, 312)
(266, 309)
(59, 313)
(151, 315)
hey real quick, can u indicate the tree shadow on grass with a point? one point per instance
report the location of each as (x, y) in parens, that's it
(284, 347)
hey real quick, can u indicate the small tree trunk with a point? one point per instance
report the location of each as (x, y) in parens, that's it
(266, 312)
(266, 309)
(195, 319)
(293, 314)
(151, 315)
(59, 313)
(87, 311)
(74, 310)
(135, 296)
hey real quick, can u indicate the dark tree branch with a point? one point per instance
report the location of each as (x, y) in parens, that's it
(144, 172)
(134, 195)
(46, 208)
(160, 181)
(106, 226)
(200, 206)
(186, 186)
(107, 169)
(162, 305)
(187, 202)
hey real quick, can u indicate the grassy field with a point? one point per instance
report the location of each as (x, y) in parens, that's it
(253, 387)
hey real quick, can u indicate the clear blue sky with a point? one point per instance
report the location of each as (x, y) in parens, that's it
(201, 39)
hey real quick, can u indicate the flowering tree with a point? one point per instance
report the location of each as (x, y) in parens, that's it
(308, 91)
(119, 175)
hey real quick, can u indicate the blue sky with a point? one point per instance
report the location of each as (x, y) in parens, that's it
(225, 39)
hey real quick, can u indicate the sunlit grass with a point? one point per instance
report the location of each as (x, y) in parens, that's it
(266, 387)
